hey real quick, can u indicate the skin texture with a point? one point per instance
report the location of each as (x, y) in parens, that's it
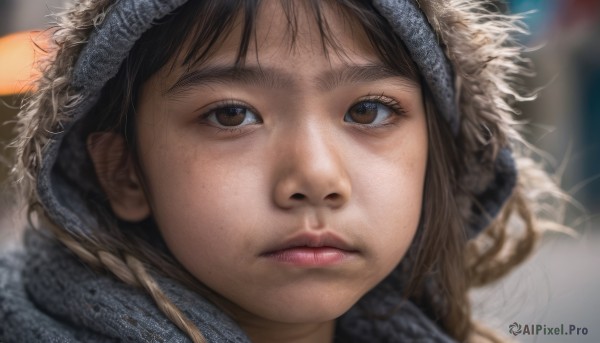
(303, 161)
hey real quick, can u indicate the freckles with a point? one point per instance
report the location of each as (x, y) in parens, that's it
(394, 199)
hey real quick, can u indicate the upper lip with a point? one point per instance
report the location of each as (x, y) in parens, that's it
(312, 240)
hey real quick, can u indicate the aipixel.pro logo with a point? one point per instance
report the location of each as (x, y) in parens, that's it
(516, 329)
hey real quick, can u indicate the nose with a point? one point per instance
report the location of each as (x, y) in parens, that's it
(311, 171)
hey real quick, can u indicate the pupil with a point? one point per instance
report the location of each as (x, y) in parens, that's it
(364, 113)
(230, 116)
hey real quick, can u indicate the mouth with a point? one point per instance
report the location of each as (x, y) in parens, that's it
(311, 250)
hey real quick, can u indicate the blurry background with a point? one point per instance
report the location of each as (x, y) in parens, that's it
(559, 284)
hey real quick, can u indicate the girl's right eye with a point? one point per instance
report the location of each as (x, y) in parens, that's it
(232, 116)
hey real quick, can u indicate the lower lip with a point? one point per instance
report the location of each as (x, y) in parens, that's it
(310, 257)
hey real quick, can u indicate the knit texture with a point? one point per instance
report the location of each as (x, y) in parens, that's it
(48, 295)
(411, 25)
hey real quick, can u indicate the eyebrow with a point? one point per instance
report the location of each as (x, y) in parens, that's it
(276, 79)
(353, 74)
(252, 76)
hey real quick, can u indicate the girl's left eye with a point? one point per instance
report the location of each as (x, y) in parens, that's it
(371, 112)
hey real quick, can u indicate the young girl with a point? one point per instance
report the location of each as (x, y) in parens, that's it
(270, 171)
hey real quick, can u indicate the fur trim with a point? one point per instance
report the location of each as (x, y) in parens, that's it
(44, 113)
(489, 66)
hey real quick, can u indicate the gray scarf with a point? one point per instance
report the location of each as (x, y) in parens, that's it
(48, 295)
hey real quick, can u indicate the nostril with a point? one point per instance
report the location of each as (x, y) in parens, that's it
(333, 197)
(298, 196)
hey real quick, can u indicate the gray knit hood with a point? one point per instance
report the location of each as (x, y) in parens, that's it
(467, 62)
(469, 81)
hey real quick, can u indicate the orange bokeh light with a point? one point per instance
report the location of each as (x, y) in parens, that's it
(18, 55)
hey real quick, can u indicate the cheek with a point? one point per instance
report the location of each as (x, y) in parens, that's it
(199, 204)
(389, 192)
(396, 218)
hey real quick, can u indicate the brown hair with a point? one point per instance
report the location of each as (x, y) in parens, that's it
(441, 263)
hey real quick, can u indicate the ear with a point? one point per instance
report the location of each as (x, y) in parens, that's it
(116, 173)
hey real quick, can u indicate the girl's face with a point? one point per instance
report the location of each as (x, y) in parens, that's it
(292, 185)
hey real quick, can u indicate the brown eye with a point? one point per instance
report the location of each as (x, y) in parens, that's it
(368, 113)
(232, 116)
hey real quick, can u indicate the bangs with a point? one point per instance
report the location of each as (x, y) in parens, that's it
(194, 32)
(190, 35)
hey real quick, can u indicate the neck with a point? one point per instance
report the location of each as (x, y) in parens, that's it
(290, 333)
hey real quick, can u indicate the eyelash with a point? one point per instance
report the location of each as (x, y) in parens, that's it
(394, 105)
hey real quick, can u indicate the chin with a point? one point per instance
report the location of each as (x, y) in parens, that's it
(311, 309)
